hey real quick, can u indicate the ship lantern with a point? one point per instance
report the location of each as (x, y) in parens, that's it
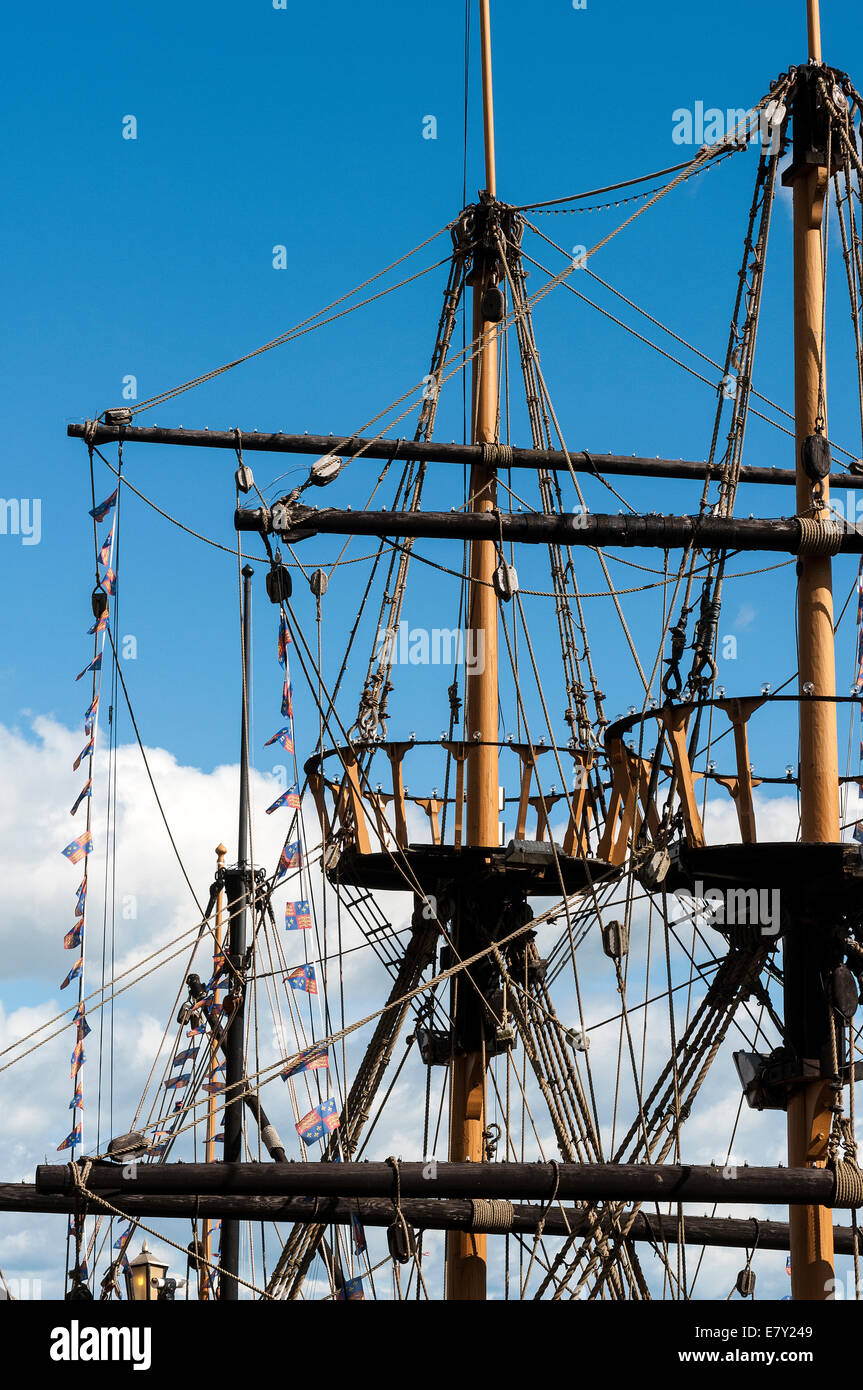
(143, 1276)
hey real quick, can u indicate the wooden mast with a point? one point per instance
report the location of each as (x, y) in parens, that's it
(809, 1104)
(466, 1252)
(204, 1292)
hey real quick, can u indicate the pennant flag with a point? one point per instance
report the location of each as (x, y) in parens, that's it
(77, 1101)
(788, 1264)
(313, 1059)
(100, 625)
(284, 738)
(77, 1059)
(90, 716)
(124, 1236)
(72, 1138)
(319, 1121)
(109, 581)
(73, 938)
(74, 973)
(81, 898)
(290, 858)
(302, 978)
(95, 665)
(105, 550)
(85, 753)
(284, 641)
(86, 790)
(79, 847)
(99, 513)
(858, 832)
(298, 916)
(289, 798)
(188, 1056)
(174, 1082)
(164, 1135)
(351, 1290)
(359, 1234)
(287, 700)
(213, 1088)
(80, 1018)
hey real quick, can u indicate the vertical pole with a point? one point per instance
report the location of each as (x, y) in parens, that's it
(466, 1251)
(809, 1103)
(237, 896)
(204, 1287)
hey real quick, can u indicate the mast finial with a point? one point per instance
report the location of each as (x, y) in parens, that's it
(813, 24)
(487, 97)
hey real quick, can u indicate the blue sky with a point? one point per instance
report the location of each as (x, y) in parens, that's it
(303, 128)
(260, 127)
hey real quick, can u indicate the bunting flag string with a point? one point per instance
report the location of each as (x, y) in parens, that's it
(90, 716)
(320, 1121)
(81, 847)
(289, 798)
(72, 1138)
(74, 973)
(86, 790)
(285, 640)
(297, 916)
(303, 977)
(857, 833)
(95, 665)
(351, 1290)
(85, 753)
(73, 938)
(284, 737)
(313, 1059)
(106, 548)
(99, 513)
(80, 1018)
(291, 857)
(359, 1234)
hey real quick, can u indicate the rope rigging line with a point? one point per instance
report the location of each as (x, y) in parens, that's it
(304, 326)
(719, 154)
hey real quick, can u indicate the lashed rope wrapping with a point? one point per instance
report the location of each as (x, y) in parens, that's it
(493, 1216)
(848, 1189)
(497, 455)
(818, 537)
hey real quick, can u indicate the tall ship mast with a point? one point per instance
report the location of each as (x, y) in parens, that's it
(580, 926)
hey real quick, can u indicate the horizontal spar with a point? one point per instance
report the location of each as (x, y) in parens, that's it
(785, 534)
(429, 1215)
(594, 1182)
(582, 461)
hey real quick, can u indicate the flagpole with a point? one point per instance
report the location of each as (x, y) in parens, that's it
(237, 894)
(204, 1285)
